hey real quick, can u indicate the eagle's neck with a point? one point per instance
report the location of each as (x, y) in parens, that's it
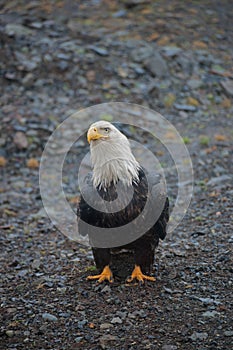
(112, 163)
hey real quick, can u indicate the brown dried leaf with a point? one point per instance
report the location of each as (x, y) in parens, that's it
(199, 44)
(3, 161)
(147, 11)
(153, 36)
(32, 163)
(163, 41)
(9, 212)
(192, 101)
(169, 99)
(219, 137)
(226, 103)
(74, 200)
(170, 135)
(91, 75)
(210, 149)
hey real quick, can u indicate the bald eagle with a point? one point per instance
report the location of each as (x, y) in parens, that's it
(115, 174)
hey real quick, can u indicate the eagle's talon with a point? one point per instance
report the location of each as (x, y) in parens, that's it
(106, 275)
(137, 274)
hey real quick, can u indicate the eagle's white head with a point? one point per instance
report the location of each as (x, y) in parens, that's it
(111, 156)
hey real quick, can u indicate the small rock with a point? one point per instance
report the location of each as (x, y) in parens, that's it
(171, 51)
(105, 326)
(17, 30)
(62, 290)
(20, 140)
(156, 65)
(183, 114)
(105, 339)
(2, 141)
(99, 50)
(25, 63)
(120, 13)
(36, 264)
(63, 65)
(194, 84)
(82, 323)
(36, 25)
(210, 314)
(206, 300)
(139, 70)
(10, 333)
(47, 57)
(121, 314)
(228, 87)
(78, 339)
(49, 317)
(169, 347)
(185, 63)
(186, 108)
(28, 79)
(218, 179)
(199, 336)
(63, 56)
(106, 289)
(12, 310)
(116, 320)
(40, 214)
(140, 313)
(228, 333)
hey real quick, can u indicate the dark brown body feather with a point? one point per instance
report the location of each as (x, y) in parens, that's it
(143, 246)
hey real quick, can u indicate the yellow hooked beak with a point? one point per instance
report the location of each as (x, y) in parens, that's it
(93, 134)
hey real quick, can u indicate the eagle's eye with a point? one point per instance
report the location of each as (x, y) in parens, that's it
(106, 129)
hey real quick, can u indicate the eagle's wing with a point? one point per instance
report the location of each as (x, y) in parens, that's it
(158, 202)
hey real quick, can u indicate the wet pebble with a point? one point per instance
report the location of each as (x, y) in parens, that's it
(100, 50)
(219, 179)
(106, 289)
(171, 51)
(49, 317)
(228, 333)
(156, 65)
(186, 108)
(199, 336)
(13, 29)
(78, 339)
(116, 320)
(20, 140)
(169, 347)
(104, 326)
(228, 87)
(10, 333)
(194, 83)
(210, 314)
(105, 339)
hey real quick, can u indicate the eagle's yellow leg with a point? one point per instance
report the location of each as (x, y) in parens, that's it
(137, 274)
(106, 274)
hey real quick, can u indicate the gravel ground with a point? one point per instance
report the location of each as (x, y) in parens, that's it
(56, 58)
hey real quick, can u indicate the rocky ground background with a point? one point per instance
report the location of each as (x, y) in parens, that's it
(58, 57)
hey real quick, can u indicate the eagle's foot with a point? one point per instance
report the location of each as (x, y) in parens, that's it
(106, 275)
(137, 274)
